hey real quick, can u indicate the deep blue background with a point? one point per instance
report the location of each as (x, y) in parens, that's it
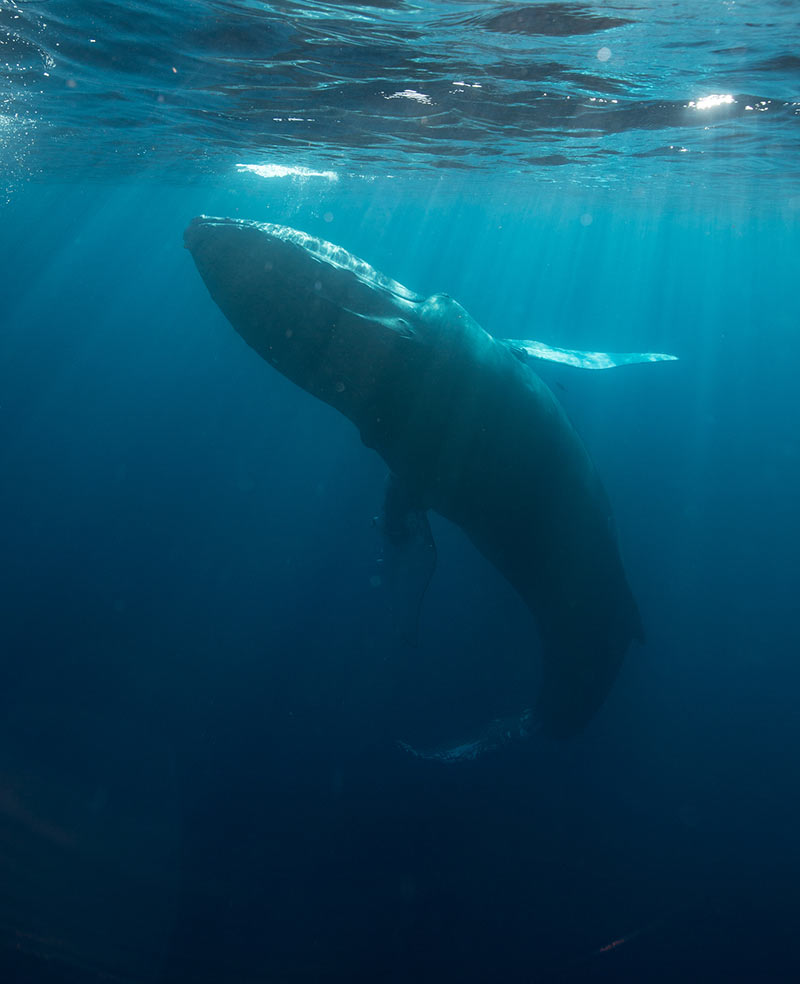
(200, 697)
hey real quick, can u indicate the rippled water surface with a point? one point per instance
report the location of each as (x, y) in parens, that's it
(697, 91)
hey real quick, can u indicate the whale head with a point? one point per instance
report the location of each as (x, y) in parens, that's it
(321, 316)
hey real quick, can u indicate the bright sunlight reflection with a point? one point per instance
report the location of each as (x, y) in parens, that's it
(710, 102)
(279, 171)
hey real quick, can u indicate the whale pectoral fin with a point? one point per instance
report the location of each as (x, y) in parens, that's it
(529, 350)
(409, 556)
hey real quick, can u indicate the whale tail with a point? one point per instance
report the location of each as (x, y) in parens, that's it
(500, 731)
(582, 656)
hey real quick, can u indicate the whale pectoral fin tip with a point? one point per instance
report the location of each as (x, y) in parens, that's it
(531, 350)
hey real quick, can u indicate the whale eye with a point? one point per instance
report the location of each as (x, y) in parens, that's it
(402, 327)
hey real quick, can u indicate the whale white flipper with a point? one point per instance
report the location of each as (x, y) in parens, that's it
(530, 350)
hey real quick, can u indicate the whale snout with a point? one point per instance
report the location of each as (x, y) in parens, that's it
(191, 232)
(202, 226)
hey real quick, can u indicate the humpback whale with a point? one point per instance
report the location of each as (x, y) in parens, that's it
(466, 427)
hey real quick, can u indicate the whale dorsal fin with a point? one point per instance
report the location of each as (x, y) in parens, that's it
(529, 350)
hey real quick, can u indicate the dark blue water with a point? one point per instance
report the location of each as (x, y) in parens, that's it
(200, 697)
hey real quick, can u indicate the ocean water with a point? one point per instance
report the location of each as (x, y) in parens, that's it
(203, 708)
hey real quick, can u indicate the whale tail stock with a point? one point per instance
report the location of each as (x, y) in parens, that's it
(578, 671)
